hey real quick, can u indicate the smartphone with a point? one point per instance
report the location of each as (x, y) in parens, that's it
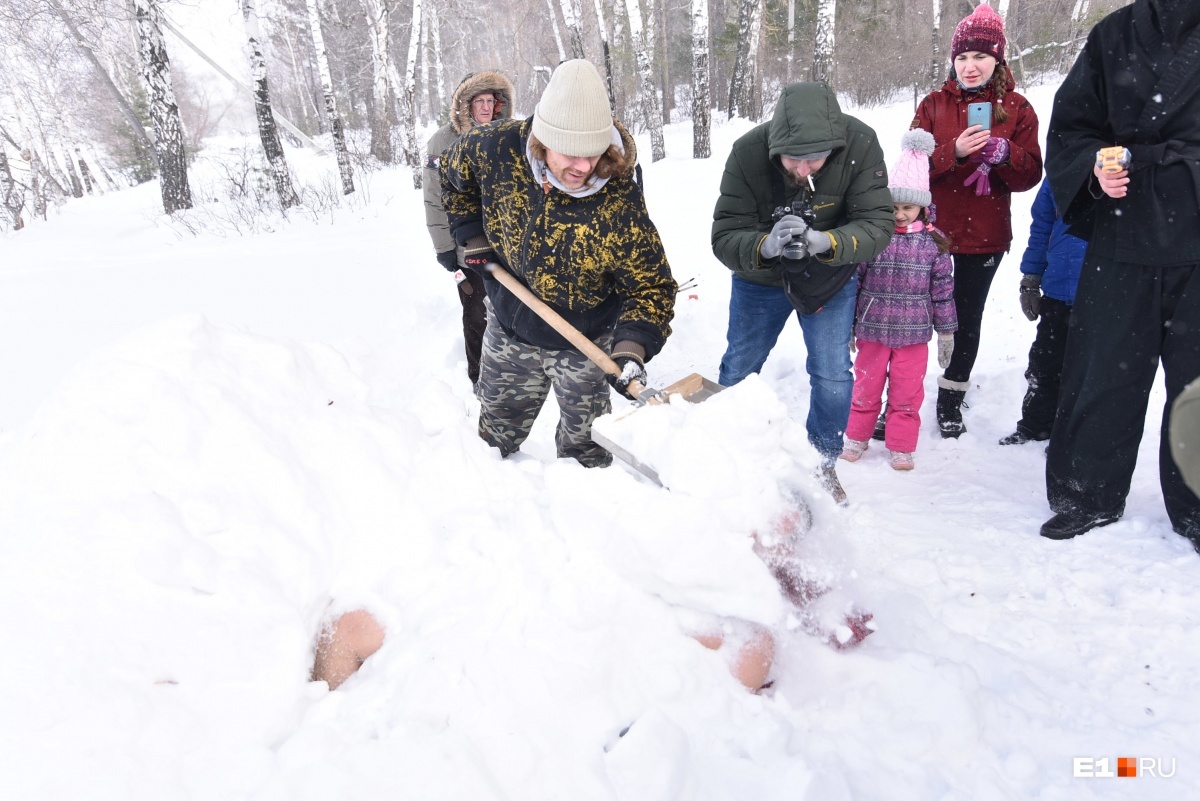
(980, 114)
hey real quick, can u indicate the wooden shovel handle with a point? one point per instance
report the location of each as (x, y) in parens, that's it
(555, 320)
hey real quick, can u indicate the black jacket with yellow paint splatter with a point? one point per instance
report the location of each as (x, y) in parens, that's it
(597, 260)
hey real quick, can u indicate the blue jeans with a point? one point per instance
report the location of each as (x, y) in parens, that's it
(757, 315)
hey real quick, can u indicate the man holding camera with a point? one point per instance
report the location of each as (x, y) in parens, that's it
(804, 199)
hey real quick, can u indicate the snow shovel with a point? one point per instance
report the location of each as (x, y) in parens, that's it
(693, 388)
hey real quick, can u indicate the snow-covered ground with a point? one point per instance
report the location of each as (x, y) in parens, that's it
(212, 443)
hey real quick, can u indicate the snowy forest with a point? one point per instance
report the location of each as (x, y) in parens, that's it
(98, 95)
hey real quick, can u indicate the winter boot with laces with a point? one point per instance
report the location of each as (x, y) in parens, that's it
(900, 460)
(949, 407)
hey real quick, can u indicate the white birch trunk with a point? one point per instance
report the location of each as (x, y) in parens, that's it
(12, 197)
(558, 42)
(164, 111)
(701, 102)
(573, 19)
(379, 14)
(744, 80)
(268, 133)
(412, 151)
(935, 62)
(651, 110)
(335, 120)
(1078, 34)
(823, 50)
(604, 46)
(791, 39)
(1002, 10)
(439, 64)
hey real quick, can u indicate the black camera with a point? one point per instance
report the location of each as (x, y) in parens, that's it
(797, 248)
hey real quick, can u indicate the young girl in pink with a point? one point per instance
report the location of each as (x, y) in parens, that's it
(905, 294)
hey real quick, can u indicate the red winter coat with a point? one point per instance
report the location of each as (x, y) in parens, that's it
(978, 224)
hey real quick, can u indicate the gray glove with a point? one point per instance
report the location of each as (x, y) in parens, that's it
(789, 226)
(945, 349)
(1031, 296)
(818, 241)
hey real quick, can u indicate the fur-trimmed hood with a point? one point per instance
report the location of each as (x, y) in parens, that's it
(475, 84)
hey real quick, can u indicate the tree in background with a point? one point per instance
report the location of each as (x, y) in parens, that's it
(268, 134)
(651, 111)
(701, 104)
(823, 48)
(164, 111)
(335, 121)
(744, 101)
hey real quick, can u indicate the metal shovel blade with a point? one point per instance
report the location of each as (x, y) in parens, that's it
(693, 388)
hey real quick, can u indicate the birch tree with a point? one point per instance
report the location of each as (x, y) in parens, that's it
(573, 19)
(11, 196)
(335, 120)
(435, 47)
(651, 110)
(823, 50)
(701, 104)
(935, 62)
(1078, 33)
(604, 47)
(791, 39)
(164, 111)
(744, 79)
(268, 134)
(378, 24)
(135, 124)
(412, 151)
(558, 42)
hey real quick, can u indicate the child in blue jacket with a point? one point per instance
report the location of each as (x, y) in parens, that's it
(1050, 269)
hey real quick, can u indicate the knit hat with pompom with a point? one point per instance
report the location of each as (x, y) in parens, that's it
(981, 31)
(909, 178)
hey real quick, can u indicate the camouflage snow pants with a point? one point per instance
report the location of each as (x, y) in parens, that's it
(514, 380)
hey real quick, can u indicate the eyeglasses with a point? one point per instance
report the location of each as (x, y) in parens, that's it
(483, 101)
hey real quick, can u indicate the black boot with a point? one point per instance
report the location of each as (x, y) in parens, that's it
(949, 407)
(881, 426)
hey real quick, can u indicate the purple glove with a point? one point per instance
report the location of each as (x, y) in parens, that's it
(979, 177)
(993, 153)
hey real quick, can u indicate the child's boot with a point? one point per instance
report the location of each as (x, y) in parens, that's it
(853, 450)
(901, 460)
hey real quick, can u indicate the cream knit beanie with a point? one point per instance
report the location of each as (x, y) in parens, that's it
(573, 117)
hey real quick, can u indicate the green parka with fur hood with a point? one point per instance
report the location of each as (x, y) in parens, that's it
(460, 122)
(851, 202)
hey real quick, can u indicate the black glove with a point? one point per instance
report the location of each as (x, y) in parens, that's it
(1031, 296)
(630, 357)
(478, 253)
(449, 260)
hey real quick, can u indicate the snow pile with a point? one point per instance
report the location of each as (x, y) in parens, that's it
(210, 445)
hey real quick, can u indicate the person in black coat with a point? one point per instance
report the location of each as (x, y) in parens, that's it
(1136, 84)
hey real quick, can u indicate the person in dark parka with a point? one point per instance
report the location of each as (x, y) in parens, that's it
(1136, 84)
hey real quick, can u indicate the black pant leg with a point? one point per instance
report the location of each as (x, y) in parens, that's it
(1112, 357)
(474, 319)
(1181, 365)
(973, 274)
(1044, 373)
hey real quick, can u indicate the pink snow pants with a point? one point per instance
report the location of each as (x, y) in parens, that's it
(903, 370)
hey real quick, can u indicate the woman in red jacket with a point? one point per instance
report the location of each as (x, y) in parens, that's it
(973, 171)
